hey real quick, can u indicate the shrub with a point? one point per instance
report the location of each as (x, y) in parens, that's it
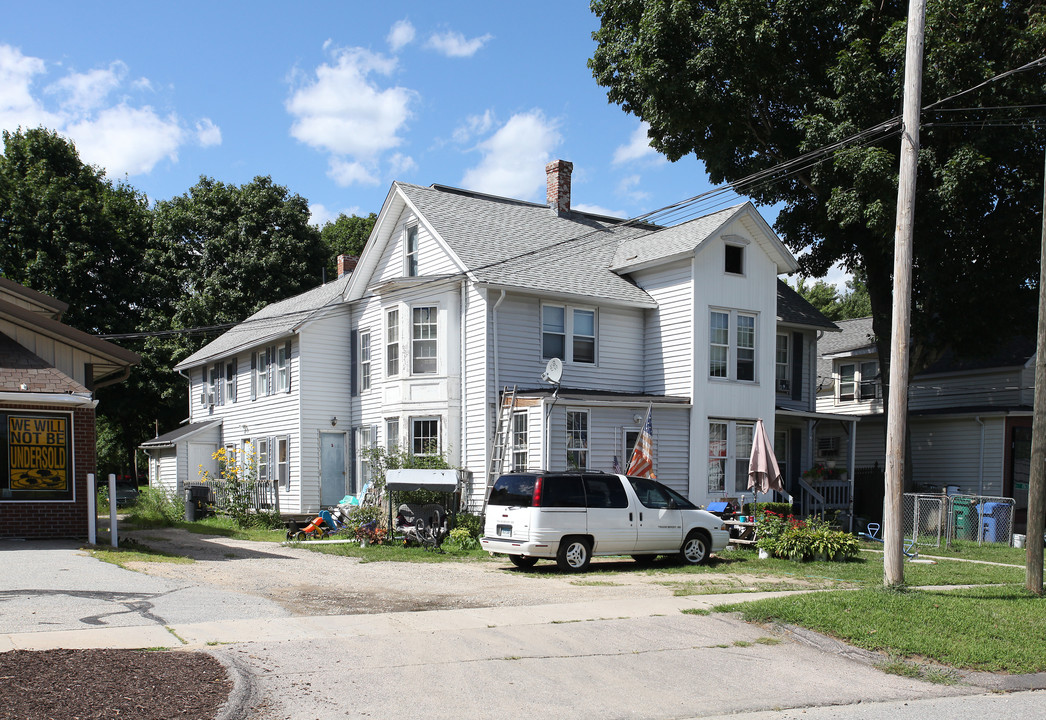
(156, 506)
(472, 524)
(462, 539)
(788, 537)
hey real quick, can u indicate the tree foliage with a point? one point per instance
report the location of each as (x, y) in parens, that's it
(833, 304)
(345, 236)
(67, 231)
(747, 84)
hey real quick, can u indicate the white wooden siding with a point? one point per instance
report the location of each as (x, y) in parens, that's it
(1001, 388)
(668, 339)
(433, 259)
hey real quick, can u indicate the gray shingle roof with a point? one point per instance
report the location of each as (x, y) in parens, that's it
(793, 309)
(854, 335)
(170, 438)
(19, 366)
(525, 245)
(670, 241)
(276, 320)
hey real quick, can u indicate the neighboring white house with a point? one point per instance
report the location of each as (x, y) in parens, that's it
(460, 297)
(969, 418)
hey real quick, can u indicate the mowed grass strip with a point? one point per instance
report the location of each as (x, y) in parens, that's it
(996, 629)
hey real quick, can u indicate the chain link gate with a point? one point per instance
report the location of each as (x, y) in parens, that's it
(980, 519)
(925, 518)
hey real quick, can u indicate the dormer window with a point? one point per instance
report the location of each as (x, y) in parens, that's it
(734, 259)
(410, 252)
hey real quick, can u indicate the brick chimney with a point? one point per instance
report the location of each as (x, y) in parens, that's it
(557, 194)
(346, 264)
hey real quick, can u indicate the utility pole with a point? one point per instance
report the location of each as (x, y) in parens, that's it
(893, 530)
(1037, 480)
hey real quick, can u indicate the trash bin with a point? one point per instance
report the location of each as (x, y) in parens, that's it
(995, 522)
(190, 506)
(196, 499)
(965, 519)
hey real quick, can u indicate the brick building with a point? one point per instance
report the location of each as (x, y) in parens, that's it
(48, 374)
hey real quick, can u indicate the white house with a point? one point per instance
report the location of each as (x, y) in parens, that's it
(969, 417)
(461, 297)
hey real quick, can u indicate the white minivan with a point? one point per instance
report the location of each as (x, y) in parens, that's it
(573, 516)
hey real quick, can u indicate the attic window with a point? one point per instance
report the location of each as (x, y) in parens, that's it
(735, 259)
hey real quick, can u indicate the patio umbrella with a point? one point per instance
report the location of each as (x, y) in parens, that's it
(763, 473)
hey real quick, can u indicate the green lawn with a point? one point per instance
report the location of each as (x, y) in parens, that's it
(986, 628)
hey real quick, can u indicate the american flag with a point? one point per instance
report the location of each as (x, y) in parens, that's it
(642, 462)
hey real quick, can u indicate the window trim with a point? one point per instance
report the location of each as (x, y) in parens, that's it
(392, 342)
(520, 440)
(416, 341)
(783, 386)
(392, 434)
(733, 354)
(569, 335)
(439, 435)
(728, 455)
(283, 461)
(365, 360)
(410, 254)
(584, 450)
(726, 258)
(859, 382)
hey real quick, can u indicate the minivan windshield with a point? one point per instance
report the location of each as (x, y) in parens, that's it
(513, 491)
(655, 495)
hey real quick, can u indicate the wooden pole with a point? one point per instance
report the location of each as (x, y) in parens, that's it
(1037, 479)
(897, 409)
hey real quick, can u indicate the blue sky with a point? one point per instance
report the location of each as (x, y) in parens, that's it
(335, 100)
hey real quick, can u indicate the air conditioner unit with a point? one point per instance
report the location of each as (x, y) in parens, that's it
(206, 398)
(828, 446)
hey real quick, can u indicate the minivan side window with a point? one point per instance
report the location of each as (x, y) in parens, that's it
(562, 491)
(605, 491)
(513, 491)
(655, 495)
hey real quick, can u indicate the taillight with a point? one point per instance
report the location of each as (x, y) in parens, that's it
(537, 493)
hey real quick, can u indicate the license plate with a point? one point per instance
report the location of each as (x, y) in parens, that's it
(504, 530)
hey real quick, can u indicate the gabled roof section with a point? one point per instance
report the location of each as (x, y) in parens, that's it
(37, 300)
(684, 240)
(274, 321)
(794, 309)
(855, 338)
(19, 366)
(169, 439)
(512, 243)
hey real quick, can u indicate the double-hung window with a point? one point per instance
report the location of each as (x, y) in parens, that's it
(577, 439)
(230, 380)
(365, 360)
(568, 333)
(262, 459)
(729, 452)
(858, 381)
(423, 340)
(262, 386)
(425, 436)
(392, 434)
(743, 434)
(283, 464)
(782, 365)
(717, 456)
(283, 368)
(731, 345)
(519, 441)
(392, 343)
(410, 252)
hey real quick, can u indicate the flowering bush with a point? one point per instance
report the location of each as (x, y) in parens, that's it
(371, 533)
(788, 537)
(817, 472)
(239, 476)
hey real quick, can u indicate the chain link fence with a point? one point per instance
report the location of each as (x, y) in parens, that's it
(932, 519)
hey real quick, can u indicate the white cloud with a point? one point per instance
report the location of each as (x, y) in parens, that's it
(454, 44)
(838, 276)
(473, 126)
(18, 106)
(599, 210)
(349, 172)
(514, 157)
(120, 135)
(344, 112)
(401, 34)
(127, 140)
(89, 90)
(207, 133)
(637, 148)
(400, 164)
(628, 186)
(320, 215)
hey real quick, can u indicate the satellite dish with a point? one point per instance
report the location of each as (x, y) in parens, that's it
(553, 371)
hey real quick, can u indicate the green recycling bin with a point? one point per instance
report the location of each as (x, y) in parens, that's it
(965, 519)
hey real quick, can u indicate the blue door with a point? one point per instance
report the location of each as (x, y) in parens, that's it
(332, 468)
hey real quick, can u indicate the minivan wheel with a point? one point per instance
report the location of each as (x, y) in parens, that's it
(522, 561)
(695, 548)
(574, 554)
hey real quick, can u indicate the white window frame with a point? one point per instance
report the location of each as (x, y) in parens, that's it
(230, 380)
(392, 342)
(859, 383)
(282, 354)
(366, 438)
(261, 455)
(520, 443)
(570, 334)
(410, 250)
(417, 342)
(734, 350)
(578, 439)
(783, 364)
(260, 380)
(365, 359)
(414, 437)
(729, 448)
(283, 461)
(392, 434)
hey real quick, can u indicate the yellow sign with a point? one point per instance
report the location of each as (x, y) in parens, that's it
(39, 452)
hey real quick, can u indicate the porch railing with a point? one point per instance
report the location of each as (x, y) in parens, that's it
(822, 495)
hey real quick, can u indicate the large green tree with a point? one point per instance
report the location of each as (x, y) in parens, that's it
(229, 250)
(68, 231)
(346, 236)
(747, 84)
